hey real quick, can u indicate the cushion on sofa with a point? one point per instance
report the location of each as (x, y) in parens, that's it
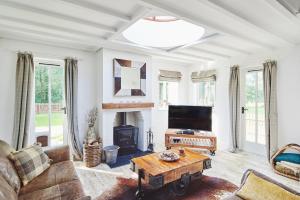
(8, 172)
(6, 191)
(289, 157)
(5, 149)
(71, 190)
(30, 162)
(57, 173)
(257, 188)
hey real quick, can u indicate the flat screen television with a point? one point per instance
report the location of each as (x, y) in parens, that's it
(190, 117)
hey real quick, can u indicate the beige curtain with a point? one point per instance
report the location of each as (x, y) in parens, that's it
(165, 75)
(234, 106)
(270, 97)
(209, 75)
(71, 92)
(23, 100)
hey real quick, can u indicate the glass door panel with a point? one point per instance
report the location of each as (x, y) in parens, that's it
(253, 113)
(49, 103)
(57, 105)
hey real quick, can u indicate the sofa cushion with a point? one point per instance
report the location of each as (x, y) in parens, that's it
(289, 157)
(9, 173)
(257, 188)
(57, 173)
(65, 191)
(5, 149)
(30, 162)
(6, 191)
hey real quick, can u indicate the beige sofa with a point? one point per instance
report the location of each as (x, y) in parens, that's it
(244, 178)
(59, 181)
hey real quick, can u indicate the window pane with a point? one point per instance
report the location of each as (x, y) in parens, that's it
(41, 100)
(168, 93)
(205, 93)
(172, 93)
(57, 103)
(260, 109)
(251, 106)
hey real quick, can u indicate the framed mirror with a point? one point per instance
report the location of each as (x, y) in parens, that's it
(129, 78)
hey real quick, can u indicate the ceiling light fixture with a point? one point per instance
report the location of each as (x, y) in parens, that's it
(163, 31)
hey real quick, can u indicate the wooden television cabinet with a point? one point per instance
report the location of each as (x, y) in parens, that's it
(198, 140)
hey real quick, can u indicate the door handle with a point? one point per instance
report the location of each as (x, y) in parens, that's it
(243, 110)
(64, 109)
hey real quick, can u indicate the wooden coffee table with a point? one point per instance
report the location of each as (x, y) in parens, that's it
(158, 173)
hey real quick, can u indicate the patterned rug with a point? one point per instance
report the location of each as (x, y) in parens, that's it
(204, 188)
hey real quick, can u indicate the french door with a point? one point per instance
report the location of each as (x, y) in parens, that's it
(253, 111)
(49, 109)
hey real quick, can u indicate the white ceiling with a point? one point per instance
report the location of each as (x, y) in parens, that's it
(233, 27)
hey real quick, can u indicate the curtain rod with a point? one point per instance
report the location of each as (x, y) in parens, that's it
(255, 70)
(49, 64)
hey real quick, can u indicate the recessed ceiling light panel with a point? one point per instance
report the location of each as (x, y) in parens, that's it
(163, 31)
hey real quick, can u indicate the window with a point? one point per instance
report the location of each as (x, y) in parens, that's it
(205, 92)
(168, 94)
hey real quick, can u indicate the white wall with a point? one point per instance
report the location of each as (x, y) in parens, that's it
(160, 117)
(87, 85)
(7, 93)
(289, 97)
(220, 122)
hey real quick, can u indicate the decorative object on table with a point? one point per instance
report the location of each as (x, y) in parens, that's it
(287, 164)
(91, 136)
(92, 147)
(129, 78)
(111, 153)
(169, 156)
(203, 187)
(181, 151)
(150, 147)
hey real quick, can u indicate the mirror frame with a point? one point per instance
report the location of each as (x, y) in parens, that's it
(118, 91)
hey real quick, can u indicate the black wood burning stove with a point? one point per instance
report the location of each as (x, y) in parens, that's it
(126, 137)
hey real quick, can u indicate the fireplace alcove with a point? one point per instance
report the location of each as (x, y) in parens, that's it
(126, 131)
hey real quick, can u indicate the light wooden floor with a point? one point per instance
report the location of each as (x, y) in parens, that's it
(225, 165)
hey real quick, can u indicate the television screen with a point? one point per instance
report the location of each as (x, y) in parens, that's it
(190, 117)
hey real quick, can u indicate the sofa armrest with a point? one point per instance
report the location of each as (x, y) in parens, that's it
(84, 198)
(58, 154)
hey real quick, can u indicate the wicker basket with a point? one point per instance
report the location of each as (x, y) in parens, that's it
(92, 154)
(284, 172)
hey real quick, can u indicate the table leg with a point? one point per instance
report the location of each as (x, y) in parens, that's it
(140, 193)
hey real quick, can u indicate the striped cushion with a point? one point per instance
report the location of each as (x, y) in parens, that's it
(30, 162)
